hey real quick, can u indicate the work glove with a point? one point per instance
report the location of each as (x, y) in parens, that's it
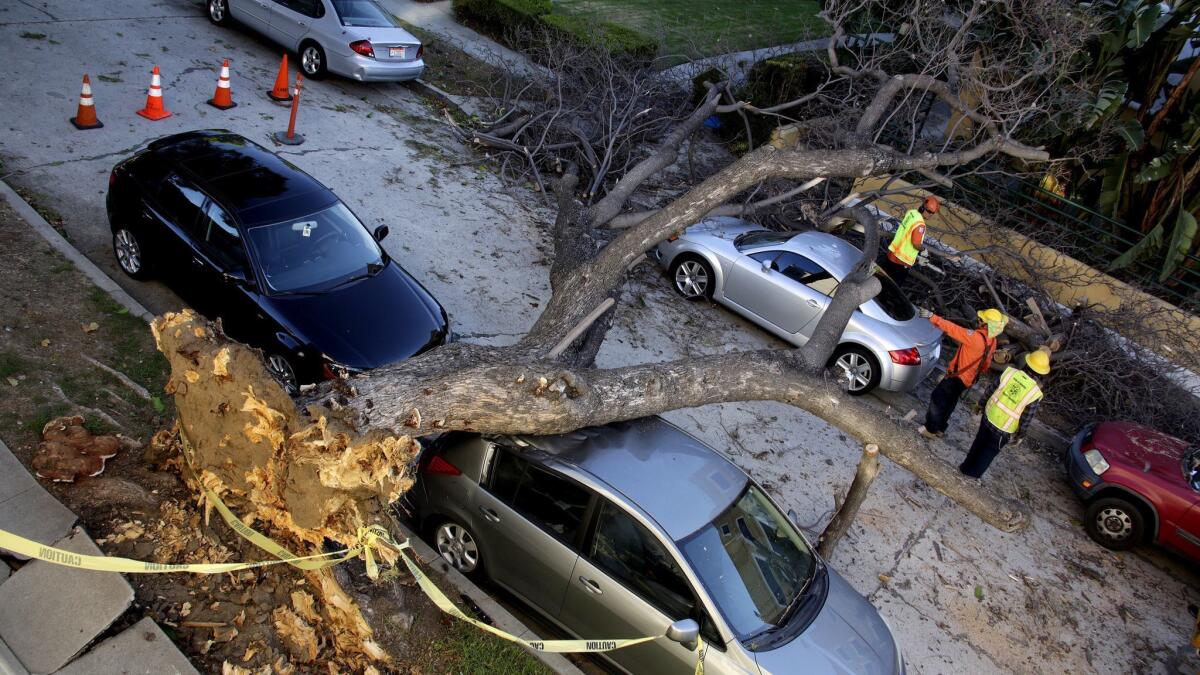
(925, 314)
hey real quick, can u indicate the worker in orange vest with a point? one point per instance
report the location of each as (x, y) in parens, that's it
(975, 349)
(1008, 412)
(909, 241)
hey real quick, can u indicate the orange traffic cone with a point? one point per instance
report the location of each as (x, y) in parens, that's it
(85, 118)
(280, 92)
(154, 109)
(223, 98)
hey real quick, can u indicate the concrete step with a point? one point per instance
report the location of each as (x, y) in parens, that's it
(49, 613)
(26, 509)
(141, 649)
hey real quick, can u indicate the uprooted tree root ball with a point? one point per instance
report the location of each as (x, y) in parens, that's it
(301, 481)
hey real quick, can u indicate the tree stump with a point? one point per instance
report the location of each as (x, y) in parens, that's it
(868, 468)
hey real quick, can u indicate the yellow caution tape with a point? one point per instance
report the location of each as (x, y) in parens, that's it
(368, 539)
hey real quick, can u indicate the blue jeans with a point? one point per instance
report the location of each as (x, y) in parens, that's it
(942, 403)
(988, 441)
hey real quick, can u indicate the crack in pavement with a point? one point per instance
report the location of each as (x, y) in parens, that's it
(309, 152)
(956, 637)
(90, 158)
(93, 19)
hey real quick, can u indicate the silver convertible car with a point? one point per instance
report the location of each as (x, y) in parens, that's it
(637, 529)
(354, 38)
(784, 281)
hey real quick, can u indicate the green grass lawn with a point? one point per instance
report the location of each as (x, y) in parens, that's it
(689, 28)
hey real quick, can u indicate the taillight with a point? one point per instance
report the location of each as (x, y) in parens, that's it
(327, 372)
(672, 237)
(420, 51)
(440, 467)
(112, 177)
(906, 357)
(363, 47)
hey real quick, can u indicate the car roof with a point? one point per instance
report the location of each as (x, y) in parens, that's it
(831, 252)
(674, 478)
(254, 183)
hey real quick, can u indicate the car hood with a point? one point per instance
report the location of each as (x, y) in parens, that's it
(848, 636)
(368, 323)
(1141, 449)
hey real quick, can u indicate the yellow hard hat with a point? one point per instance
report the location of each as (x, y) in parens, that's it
(1038, 361)
(995, 320)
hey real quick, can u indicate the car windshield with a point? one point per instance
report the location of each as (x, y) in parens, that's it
(892, 300)
(757, 238)
(314, 252)
(753, 563)
(362, 13)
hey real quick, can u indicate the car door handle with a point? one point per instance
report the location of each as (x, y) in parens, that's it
(813, 303)
(591, 586)
(301, 22)
(197, 262)
(489, 514)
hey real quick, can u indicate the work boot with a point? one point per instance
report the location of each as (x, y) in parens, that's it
(929, 434)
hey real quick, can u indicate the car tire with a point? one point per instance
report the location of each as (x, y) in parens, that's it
(218, 12)
(283, 371)
(862, 363)
(458, 547)
(312, 60)
(1114, 523)
(692, 277)
(131, 253)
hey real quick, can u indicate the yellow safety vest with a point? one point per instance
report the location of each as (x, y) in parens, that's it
(901, 245)
(1016, 391)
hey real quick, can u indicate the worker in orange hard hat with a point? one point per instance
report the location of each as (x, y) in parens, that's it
(975, 349)
(909, 241)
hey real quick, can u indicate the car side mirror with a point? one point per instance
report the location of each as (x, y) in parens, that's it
(237, 278)
(381, 232)
(766, 266)
(685, 632)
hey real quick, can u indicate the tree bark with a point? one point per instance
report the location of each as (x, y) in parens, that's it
(868, 468)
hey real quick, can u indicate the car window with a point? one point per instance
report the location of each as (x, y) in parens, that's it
(311, 8)
(551, 502)
(314, 252)
(362, 13)
(220, 238)
(892, 300)
(801, 269)
(631, 554)
(183, 203)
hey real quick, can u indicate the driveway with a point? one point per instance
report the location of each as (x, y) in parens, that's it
(961, 596)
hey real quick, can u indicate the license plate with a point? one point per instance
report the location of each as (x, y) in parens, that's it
(396, 52)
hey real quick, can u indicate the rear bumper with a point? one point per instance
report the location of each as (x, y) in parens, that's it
(366, 69)
(1077, 469)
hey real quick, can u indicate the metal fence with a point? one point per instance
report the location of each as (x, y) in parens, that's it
(1080, 232)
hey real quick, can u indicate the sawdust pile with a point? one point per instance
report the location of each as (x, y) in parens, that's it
(300, 479)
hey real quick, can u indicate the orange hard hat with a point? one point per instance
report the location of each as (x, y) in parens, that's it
(932, 204)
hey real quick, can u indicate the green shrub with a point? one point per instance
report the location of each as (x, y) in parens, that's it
(619, 40)
(500, 18)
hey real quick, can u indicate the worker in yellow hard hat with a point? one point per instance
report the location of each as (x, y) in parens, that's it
(908, 241)
(1008, 411)
(975, 349)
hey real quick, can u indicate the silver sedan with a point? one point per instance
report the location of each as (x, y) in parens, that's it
(636, 529)
(354, 38)
(784, 282)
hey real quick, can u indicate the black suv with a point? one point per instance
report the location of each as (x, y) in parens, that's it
(243, 235)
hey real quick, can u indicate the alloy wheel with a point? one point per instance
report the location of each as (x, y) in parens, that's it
(216, 10)
(1114, 523)
(691, 279)
(457, 547)
(855, 369)
(283, 373)
(310, 60)
(129, 253)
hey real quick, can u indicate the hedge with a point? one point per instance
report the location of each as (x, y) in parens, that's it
(505, 19)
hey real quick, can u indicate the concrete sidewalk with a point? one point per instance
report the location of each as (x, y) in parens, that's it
(438, 17)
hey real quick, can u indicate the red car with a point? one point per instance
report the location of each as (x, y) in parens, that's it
(1139, 485)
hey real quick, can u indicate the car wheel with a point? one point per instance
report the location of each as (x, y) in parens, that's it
(1114, 523)
(281, 369)
(218, 11)
(692, 277)
(312, 60)
(131, 254)
(458, 547)
(855, 369)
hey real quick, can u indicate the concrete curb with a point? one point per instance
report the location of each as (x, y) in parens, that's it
(81, 262)
(501, 618)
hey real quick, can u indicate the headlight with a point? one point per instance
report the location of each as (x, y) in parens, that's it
(1096, 461)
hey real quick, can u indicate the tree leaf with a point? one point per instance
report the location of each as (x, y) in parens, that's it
(1181, 242)
(1112, 187)
(1108, 100)
(1151, 242)
(979, 593)
(1131, 131)
(1144, 25)
(1160, 167)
